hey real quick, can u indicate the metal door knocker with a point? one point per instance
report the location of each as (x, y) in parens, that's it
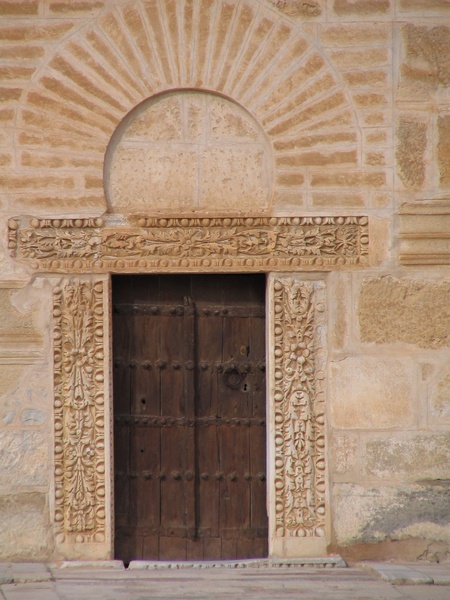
(233, 376)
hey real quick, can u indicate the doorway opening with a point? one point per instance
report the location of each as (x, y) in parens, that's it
(189, 417)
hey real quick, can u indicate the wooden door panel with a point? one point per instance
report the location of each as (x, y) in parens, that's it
(148, 449)
(171, 367)
(208, 483)
(208, 357)
(145, 376)
(235, 490)
(189, 389)
(258, 480)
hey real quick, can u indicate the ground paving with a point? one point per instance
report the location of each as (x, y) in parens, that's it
(366, 581)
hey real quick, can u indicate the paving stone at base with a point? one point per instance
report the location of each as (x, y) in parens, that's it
(440, 573)
(5, 573)
(398, 574)
(30, 591)
(92, 564)
(30, 572)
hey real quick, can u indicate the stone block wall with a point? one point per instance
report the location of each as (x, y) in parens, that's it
(339, 107)
(389, 424)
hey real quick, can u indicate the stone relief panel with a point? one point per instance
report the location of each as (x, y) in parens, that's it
(298, 407)
(188, 150)
(79, 414)
(154, 243)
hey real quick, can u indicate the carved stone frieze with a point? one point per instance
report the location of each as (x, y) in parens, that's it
(299, 408)
(252, 243)
(79, 411)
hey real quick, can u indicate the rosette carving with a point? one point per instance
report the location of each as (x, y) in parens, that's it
(299, 408)
(79, 411)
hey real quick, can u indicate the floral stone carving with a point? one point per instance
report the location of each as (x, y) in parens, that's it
(79, 411)
(252, 243)
(299, 407)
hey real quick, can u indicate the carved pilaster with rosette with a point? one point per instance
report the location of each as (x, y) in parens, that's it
(298, 409)
(79, 413)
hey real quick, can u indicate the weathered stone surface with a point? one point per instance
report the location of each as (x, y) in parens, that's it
(24, 530)
(29, 33)
(395, 310)
(354, 34)
(348, 58)
(426, 63)
(411, 146)
(25, 393)
(187, 151)
(370, 78)
(162, 123)
(232, 177)
(368, 392)
(444, 149)
(323, 199)
(9, 375)
(380, 236)
(24, 458)
(344, 453)
(361, 7)
(408, 456)
(82, 7)
(348, 179)
(440, 399)
(375, 159)
(341, 314)
(369, 514)
(419, 7)
(22, 8)
(298, 8)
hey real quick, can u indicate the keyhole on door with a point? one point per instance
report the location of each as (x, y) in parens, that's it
(245, 388)
(143, 401)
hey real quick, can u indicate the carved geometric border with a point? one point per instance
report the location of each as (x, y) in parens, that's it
(299, 408)
(114, 244)
(79, 414)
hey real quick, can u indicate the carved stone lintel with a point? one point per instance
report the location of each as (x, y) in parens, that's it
(299, 408)
(225, 244)
(79, 411)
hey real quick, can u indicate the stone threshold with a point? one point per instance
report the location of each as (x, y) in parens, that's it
(142, 565)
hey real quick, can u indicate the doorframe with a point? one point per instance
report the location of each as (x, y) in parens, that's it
(294, 252)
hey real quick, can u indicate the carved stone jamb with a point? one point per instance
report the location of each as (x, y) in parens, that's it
(297, 417)
(164, 244)
(81, 419)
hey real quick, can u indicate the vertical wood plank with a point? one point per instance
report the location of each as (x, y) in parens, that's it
(189, 373)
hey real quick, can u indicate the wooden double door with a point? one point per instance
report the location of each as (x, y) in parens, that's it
(189, 417)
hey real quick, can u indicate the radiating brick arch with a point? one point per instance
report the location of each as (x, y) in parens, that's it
(239, 49)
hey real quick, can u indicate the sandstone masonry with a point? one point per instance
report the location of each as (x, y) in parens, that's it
(305, 140)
